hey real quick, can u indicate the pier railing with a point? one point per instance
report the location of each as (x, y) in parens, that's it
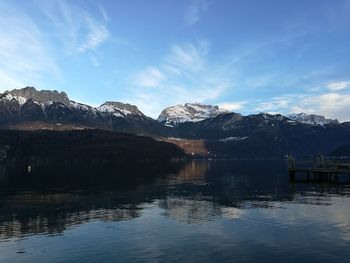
(319, 167)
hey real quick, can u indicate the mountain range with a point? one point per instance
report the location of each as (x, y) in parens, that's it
(29, 108)
(190, 112)
(219, 133)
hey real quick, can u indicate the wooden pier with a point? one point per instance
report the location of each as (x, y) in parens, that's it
(319, 170)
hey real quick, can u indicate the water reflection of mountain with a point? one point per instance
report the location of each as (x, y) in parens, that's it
(54, 222)
(85, 176)
(51, 199)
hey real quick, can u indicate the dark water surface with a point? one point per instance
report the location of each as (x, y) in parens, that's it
(204, 211)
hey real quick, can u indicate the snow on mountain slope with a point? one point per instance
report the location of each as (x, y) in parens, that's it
(40, 96)
(21, 100)
(190, 112)
(45, 102)
(119, 109)
(49, 99)
(312, 119)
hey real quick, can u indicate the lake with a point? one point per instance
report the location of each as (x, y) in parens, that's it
(225, 211)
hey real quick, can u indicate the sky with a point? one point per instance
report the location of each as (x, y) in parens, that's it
(243, 55)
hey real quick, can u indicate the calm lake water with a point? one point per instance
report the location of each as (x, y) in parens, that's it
(206, 211)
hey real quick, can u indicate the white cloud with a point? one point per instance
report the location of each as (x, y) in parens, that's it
(276, 104)
(232, 106)
(187, 57)
(150, 77)
(24, 53)
(184, 75)
(194, 11)
(97, 34)
(26, 50)
(341, 85)
(331, 105)
(78, 29)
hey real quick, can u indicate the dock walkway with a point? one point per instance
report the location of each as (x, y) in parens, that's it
(318, 169)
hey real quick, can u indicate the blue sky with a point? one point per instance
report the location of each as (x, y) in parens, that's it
(246, 56)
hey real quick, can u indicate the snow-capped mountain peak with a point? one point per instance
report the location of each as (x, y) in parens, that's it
(189, 112)
(40, 96)
(118, 108)
(312, 119)
(50, 101)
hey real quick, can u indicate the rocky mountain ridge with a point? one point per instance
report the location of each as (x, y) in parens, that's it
(45, 98)
(312, 119)
(172, 116)
(28, 104)
(189, 112)
(41, 96)
(219, 133)
(119, 109)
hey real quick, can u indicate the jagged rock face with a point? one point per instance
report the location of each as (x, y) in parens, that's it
(31, 110)
(232, 125)
(28, 104)
(42, 96)
(226, 133)
(9, 109)
(59, 111)
(190, 112)
(264, 136)
(120, 109)
(14, 107)
(312, 119)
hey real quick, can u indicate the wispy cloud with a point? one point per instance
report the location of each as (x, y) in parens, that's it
(28, 51)
(104, 13)
(336, 86)
(275, 105)
(183, 75)
(194, 11)
(150, 77)
(232, 106)
(77, 28)
(330, 104)
(97, 34)
(187, 57)
(24, 52)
